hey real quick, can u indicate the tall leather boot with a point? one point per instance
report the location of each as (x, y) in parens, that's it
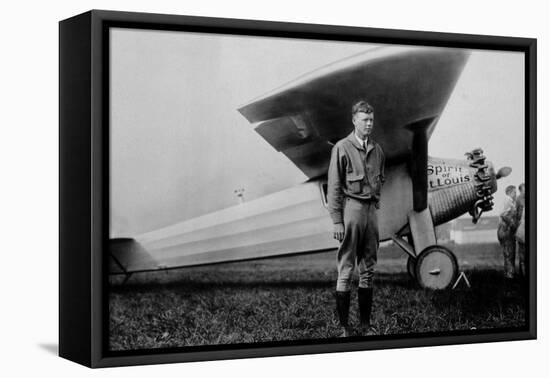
(364, 295)
(342, 307)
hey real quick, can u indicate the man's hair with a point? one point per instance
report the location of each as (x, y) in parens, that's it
(521, 186)
(510, 189)
(361, 107)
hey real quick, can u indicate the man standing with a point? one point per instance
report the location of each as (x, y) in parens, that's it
(507, 226)
(520, 232)
(355, 177)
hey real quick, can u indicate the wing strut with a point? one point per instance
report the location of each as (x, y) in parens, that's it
(419, 162)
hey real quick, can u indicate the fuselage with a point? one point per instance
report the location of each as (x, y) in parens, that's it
(296, 220)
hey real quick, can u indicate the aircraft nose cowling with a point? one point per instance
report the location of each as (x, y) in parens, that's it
(451, 202)
(474, 196)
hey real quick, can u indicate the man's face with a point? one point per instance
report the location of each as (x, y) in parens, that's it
(513, 194)
(364, 123)
(522, 190)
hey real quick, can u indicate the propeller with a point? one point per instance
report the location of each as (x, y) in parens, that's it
(503, 172)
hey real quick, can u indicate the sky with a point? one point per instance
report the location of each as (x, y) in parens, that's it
(179, 147)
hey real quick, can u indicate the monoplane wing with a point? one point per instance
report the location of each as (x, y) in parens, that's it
(406, 85)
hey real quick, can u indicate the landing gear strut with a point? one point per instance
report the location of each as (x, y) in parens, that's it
(431, 265)
(411, 267)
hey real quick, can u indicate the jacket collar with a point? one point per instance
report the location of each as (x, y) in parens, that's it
(351, 137)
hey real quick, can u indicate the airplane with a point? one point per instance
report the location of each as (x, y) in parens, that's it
(409, 88)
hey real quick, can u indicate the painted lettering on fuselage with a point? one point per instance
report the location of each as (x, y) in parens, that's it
(442, 174)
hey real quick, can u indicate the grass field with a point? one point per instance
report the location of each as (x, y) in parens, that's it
(292, 298)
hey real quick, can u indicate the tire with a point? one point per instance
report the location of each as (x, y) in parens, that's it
(436, 268)
(411, 267)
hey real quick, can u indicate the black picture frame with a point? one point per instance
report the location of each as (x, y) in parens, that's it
(84, 183)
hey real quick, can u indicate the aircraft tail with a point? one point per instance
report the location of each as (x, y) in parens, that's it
(125, 254)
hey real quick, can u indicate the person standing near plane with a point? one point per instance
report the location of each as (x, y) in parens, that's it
(355, 178)
(520, 232)
(507, 226)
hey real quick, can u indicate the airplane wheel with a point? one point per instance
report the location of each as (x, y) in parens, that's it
(436, 268)
(411, 264)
